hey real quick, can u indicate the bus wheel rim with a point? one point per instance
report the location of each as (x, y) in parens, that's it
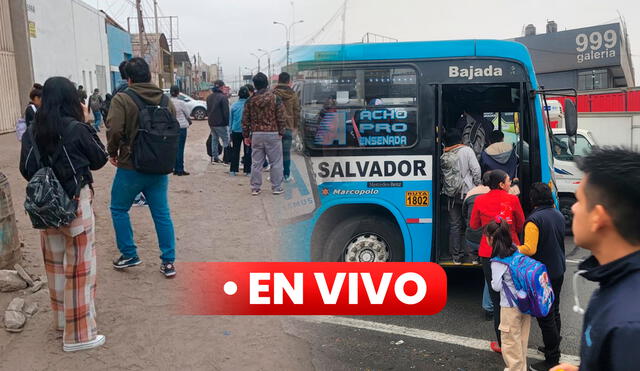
(367, 247)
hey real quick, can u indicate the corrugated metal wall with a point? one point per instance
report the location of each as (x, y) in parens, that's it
(10, 109)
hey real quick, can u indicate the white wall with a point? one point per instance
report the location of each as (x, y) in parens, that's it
(613, 128)
(71, 40)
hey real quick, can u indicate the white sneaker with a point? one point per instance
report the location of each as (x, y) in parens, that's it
(278, 191)
(98, 341)
(255, 193)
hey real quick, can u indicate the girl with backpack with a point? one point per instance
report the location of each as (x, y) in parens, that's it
(514, 325)
(499, 202)
(59, 145)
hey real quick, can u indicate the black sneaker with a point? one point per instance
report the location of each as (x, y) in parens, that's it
(168, 269)
(123, 262)
(542, 365)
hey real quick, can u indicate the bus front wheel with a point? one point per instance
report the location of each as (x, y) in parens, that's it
(365, 239)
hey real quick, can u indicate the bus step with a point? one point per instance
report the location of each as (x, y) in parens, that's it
(449, 263)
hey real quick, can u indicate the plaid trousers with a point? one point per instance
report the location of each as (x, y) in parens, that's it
(70, 262)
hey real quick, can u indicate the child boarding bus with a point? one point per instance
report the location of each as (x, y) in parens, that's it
(366, 186)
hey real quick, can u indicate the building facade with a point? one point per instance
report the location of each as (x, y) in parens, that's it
(585, 59)
(120, 49)
(156, 52)
(183, 72)
(69, 38)
(16, 75)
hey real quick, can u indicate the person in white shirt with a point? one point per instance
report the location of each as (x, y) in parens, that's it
(182, 115)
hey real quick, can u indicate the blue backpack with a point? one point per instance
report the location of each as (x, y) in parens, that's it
(534, 294)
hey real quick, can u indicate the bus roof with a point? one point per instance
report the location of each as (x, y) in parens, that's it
(416, 50)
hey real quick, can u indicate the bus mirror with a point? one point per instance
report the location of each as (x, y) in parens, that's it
(570, 118)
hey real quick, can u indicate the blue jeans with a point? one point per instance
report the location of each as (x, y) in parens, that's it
(287, 139)
(221, 132)
(179, 167)
(126, 186)
(97, 118)
(486, 299)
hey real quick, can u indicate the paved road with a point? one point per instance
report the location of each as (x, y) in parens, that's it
(457, 338)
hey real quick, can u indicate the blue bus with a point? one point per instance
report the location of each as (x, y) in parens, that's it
(367, 180)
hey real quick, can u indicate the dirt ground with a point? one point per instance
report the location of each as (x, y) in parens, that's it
(216, 219)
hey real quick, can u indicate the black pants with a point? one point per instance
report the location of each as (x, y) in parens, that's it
(550, 325)
(495, 297)
(236, 141)
(457, 227)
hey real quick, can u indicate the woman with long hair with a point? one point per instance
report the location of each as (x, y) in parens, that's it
(58, 139)
(497, 202)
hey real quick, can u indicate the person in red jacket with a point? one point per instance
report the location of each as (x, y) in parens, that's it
(498, 202)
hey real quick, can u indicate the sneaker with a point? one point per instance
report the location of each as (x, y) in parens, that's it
(184, 173)
(457, 261)
(123, 262)
(255, 193)
(475, 261)
(287, 179)
(99, 340)
(267, 168)
(217, 161)
(168, 269)
(495, 347)
(232, 173)
(542, 365)
(278, 191)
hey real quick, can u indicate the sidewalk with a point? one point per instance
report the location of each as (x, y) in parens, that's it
(216, 219)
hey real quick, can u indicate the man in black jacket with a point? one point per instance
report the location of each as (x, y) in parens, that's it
(544, 242)
(218, 112)
(606, 222)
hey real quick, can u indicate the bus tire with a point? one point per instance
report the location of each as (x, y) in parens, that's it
(565, 203)
(364, 239)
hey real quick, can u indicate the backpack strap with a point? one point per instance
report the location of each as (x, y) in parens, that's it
(510, 297)
(164, 101)
(136, 98)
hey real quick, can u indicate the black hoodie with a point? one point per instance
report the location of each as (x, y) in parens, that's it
(611, 330)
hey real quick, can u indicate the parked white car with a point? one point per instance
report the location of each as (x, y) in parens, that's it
(198, 108)
(566, 171)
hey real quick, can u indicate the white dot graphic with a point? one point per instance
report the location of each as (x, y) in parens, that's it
(230, 288)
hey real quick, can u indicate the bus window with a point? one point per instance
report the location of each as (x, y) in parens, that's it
(360, 108)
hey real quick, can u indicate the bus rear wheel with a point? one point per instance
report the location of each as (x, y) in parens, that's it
(365, 239)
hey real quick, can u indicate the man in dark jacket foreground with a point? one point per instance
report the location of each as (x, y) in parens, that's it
(605, 222)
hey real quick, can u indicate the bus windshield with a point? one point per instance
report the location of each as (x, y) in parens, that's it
(360, 107)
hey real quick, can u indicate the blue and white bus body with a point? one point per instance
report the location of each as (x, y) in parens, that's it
(416, 224)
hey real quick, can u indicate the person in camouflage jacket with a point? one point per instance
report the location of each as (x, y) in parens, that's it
(263, 124)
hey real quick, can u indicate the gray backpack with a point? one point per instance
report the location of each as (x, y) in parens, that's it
(473, 135)
(451, 178)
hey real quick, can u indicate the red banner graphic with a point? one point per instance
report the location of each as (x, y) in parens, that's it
(311, 289)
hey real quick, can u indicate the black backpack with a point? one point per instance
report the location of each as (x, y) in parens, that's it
(156, 144)
(46, 202)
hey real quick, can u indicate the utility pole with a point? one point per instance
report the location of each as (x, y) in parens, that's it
(140, 26)
(155, 13)
(344, 21)
(170, 38)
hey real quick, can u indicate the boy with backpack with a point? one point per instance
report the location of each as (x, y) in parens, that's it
(460, 173)
(524, 288)
(142, 139)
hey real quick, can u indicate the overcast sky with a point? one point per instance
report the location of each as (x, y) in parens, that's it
(231, 30)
